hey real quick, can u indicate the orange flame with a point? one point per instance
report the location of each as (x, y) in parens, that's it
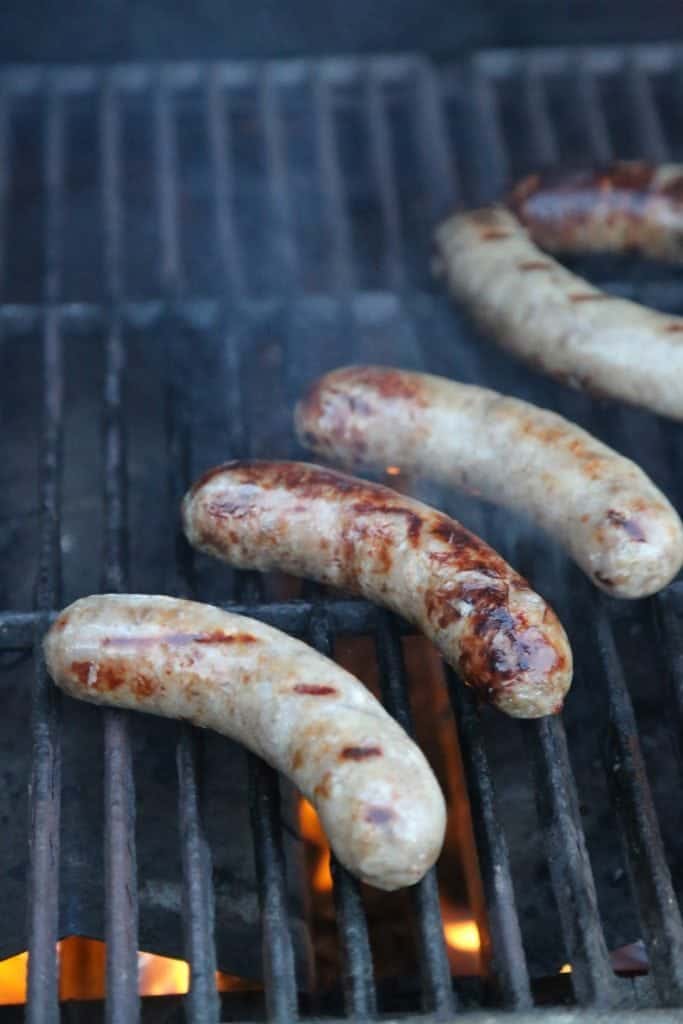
(82, 972)
(463, 935)
(311, 830)
(13, 980)
(393, 470)
(162, 976)
(463, 939)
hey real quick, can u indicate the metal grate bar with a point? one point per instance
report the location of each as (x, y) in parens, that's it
(554, 786)
(359, 983)
(264, 795)
(198, 909)
(588, 100)
(222, 180)
(670, 625)
(570, 869)
(385, 178)
(441, 179)
(280, 207)
(649, 126)
(167, 178)
(571, 873)
(659, 913)
(278, 955)
(543, 136)
(43, 884)
(4, 176)
(491, 141)
(203, 1004)
(334, 212)
(121, 929)
(509, 961)
(438, 995)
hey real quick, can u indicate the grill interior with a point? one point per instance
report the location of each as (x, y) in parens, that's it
(183, 248)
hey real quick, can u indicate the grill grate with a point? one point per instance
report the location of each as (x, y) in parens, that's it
(330, 254)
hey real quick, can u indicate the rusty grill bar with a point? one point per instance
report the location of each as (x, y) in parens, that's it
(379, 302)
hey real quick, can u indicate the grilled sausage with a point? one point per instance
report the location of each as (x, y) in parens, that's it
(556, 321)
(607, 513)
(501, 636)
(377, 798)
(624, 206)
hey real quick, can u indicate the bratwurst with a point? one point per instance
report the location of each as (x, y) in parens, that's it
(556, 321)
(625, 206)
(606, 512)
(503, 638)
(377, 798)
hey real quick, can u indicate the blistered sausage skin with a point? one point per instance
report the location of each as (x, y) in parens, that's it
(489, 624)
(377, 798)
(625, 206)
(607, 513)
(556, 321)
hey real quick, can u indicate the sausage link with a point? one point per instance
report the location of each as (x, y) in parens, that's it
(607, 513)
(377, 798)
(556, 321)
(626, 206)
(501, 636)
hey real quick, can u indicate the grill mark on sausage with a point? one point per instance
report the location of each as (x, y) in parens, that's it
(464, 551)
(558, 208)
(592, 297)
(673, 328)
(314, 689)
(440, 606)
(180, 639)
(81, 670)
(100, 675)
(385, 382)
(413, 520)
(359, 753)
(605, 580)
(144, 686)
(323, 789)
(534, 265)
(230, 509)
(493, 235)
(224, 638)
(631, 526)
(376, 814)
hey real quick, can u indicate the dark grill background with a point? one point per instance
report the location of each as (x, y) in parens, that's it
(183, 248)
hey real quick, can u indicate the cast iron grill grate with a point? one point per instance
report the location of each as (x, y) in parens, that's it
(276, 218)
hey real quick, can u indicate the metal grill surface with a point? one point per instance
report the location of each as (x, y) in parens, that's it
(191, 244)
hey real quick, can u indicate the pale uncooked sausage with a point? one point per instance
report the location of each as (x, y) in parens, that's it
(377, 798)
(558, 322)
(606, 512)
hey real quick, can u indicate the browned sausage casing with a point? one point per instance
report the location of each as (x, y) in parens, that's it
(611, 518)
(500, 635)
(624, 206)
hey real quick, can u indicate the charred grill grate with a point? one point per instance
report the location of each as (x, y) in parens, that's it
(232, 204)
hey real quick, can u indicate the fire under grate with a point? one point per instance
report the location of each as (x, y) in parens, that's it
(183, 248)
